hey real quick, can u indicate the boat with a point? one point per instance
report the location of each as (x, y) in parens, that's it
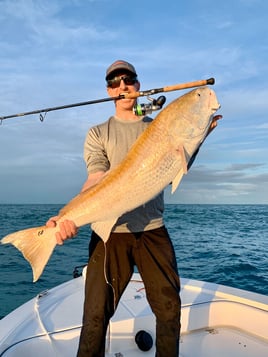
(216, 321)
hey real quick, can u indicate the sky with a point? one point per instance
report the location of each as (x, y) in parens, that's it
(55, 52)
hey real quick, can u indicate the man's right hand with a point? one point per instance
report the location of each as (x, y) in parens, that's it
(67, 229)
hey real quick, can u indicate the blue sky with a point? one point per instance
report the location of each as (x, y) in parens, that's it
(55, 52)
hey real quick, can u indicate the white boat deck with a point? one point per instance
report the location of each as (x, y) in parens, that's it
(216, 321)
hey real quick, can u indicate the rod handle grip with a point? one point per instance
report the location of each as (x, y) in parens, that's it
(174, 87)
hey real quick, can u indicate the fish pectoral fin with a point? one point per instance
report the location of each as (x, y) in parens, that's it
(104, 228)
(176, 181)
(182, 153)
(36, 245)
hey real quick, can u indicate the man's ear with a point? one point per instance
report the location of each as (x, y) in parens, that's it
(109, 91)
(137, 86)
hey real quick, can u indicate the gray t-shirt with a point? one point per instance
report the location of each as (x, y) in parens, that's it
(106, 145)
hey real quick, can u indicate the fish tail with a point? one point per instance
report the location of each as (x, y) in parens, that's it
(36, 245)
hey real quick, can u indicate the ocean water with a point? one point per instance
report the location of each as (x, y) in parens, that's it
(225, 244)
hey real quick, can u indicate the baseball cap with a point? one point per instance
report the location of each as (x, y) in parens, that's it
(120, 65)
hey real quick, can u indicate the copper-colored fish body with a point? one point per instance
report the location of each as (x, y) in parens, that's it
(159, 157)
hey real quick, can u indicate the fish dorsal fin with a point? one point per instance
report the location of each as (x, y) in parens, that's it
(176, 181)
(104, 228)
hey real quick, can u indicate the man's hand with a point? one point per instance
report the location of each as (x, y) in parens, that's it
(67, 229)
(214, 123)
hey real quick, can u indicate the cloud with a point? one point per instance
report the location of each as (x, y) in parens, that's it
(55, 52)
(236, 183)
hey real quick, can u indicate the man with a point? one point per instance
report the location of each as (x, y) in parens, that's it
(138, 238)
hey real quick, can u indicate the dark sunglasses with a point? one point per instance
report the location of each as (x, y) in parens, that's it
(115, 82)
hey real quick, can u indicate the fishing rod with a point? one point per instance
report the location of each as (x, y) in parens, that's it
(140, 109)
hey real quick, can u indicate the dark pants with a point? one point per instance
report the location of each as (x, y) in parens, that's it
(153, 254)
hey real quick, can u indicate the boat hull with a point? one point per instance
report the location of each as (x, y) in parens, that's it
(216, 321)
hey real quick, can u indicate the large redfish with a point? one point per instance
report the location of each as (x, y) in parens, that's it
(159, 157)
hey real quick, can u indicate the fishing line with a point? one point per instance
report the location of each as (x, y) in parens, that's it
(109, 284)
(105, 274)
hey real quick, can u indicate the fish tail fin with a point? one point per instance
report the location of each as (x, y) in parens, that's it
(36, 245)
